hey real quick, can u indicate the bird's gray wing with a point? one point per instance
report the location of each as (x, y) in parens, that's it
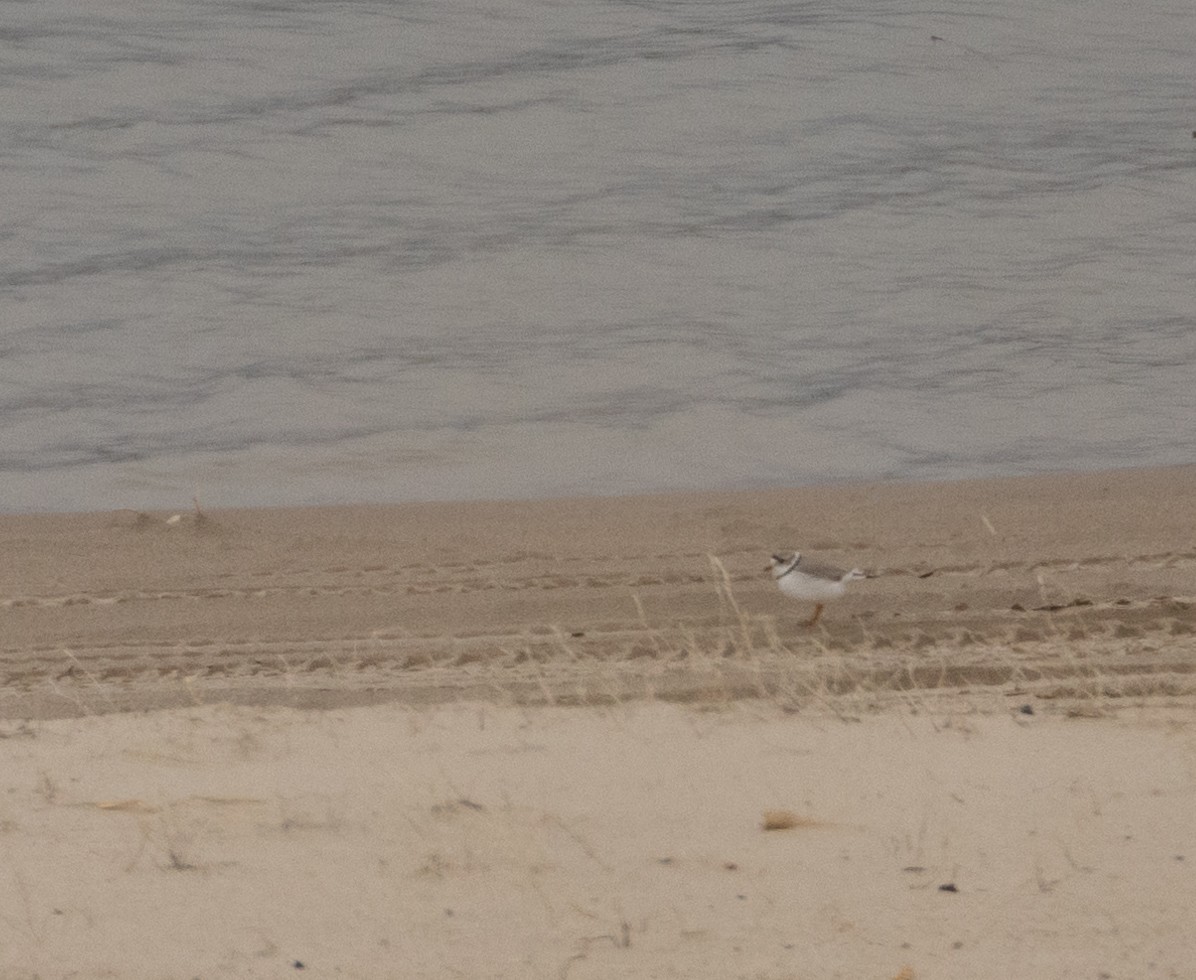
(821, 570)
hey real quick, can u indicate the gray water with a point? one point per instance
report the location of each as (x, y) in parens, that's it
(305, 251)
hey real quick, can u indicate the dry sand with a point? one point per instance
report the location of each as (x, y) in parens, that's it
(542, 738)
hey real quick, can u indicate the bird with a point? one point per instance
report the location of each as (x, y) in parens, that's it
(800, 579)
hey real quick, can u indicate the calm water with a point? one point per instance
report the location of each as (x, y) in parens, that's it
(301, 251)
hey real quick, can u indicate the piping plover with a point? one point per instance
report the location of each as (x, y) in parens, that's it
(800, 579)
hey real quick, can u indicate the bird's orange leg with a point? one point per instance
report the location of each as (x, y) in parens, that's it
(817, 613)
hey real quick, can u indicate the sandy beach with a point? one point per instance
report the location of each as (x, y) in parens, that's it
(546, 738)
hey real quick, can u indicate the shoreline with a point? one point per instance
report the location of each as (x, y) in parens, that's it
(185, 503)
(829, 484)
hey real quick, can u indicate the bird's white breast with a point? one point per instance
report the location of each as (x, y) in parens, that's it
(806, 587)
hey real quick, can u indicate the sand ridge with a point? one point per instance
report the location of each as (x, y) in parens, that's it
(1030, 580)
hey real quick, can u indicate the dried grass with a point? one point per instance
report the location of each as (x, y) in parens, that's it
(1072, 660)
